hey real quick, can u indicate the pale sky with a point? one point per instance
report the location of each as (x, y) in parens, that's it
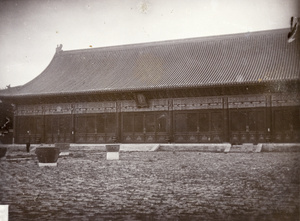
(30, 30)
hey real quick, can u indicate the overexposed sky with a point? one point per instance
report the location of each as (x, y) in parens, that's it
(30, 30)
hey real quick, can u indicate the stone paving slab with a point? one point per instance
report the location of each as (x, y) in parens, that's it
(161, 185)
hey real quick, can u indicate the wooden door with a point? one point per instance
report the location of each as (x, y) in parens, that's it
(286, 125)
(144, 127)
(133, 128)
(198, 126)
(58, 129)
(247, 126)
(95, 128)
(30, 129)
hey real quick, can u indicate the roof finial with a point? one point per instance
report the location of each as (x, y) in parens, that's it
(294, 26)
(59, 48)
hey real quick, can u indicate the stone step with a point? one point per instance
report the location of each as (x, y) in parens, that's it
(138, 147)
(200, 147)
(244, 148)
(123, 147)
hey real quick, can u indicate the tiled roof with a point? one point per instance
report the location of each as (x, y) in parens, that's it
(199, 62)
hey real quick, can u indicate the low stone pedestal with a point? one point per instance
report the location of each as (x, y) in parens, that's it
(47, 164)
(2, 151)
(47, 156)
(64, 149)
(112, 151)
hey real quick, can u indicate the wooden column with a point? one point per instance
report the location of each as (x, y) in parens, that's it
(118, 121)
(15, 111)
(269, 126)
(43, 137)
(226, 136)
(171, 127)
(73, 123)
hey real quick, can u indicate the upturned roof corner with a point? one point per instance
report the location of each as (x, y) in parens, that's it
(59, 48)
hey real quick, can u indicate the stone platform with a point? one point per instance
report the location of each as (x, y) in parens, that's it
(14, 149)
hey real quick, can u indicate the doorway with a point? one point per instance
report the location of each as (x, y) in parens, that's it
(247, 126)
(58, 129)
(144, 127)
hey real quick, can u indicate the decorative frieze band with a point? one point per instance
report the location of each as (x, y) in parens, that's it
(57, 109)
(153, 105)
(23, 110)
(246, 101)
(197, 103)
(95, 107)
(45, 109)
(279, 100)
(194, 103)
(66, 108)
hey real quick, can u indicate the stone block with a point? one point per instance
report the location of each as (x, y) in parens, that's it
(258, 148)
(63, 147)
(113, 148)
(47, 156)
(112, 155)
(227, 149)
(3, 151)
(4, 212)
(112, 151)
(47, 164)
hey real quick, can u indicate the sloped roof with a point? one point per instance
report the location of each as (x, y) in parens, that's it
(199, 62)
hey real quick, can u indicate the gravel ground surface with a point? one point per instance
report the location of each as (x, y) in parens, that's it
(153, 186)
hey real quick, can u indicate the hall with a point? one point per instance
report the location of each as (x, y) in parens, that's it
(239, 88)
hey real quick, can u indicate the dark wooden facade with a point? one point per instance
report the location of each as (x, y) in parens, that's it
(246, 118)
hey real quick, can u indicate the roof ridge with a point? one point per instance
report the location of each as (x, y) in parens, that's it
(174, 41)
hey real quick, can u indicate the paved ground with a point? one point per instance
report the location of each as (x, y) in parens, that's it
(154, 186)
